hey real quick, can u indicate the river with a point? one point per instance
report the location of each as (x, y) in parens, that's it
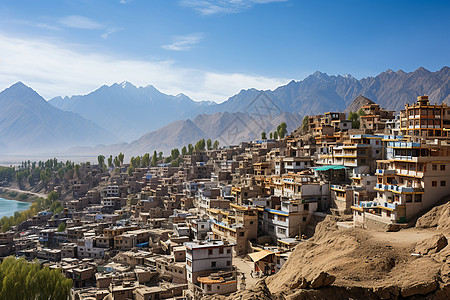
(8, 207)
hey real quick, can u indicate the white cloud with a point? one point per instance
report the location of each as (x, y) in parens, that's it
(109, 32)
(184, 43)
(58, 70)
(211, 7)
(80, 22)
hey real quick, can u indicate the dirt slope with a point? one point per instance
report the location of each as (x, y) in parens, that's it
(361, 264)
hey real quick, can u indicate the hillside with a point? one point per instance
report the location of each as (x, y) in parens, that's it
(365, 264)
(359, 102)
(29, 124)
(227, 128)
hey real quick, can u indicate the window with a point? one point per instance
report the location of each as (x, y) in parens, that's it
(210, 251)
(241, 233)
(228, 251)
(208, 287)
(220, 250)
(418, 198)
(409, 198)
(434, 167)
(306, 206)
(213, 264)
(443, 183)
(434, 183)
(442, 167)
(228, 263)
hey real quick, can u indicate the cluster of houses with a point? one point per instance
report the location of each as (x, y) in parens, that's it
(175, 232)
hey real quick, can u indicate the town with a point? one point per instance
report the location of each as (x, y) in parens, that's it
(222, 217)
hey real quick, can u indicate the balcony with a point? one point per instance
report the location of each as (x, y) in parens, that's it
(397, 189)
(388, 205)
(385, 172)
(368, 204)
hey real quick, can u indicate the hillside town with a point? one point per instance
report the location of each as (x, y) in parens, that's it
(224, 217)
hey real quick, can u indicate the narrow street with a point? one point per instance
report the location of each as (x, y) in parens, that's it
(245, 267)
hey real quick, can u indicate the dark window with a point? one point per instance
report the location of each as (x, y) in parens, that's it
(220, 250)
(434, 183)
(210, 252)
(442, 167)
(443, 183)
(213, 264)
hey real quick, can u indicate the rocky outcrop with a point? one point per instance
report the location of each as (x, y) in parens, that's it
(431, 245)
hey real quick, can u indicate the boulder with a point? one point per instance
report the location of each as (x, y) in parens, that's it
(321, 280)
(431, 245)
(419, 289)
(388, 292)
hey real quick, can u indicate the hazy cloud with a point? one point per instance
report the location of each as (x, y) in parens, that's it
(184, 43)
(211, 7)
(80, 22)
(53, 70)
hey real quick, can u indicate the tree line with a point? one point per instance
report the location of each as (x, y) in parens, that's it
(22, 280)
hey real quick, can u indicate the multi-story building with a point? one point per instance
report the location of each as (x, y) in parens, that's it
(412, 178)
(423, 119)
(209, 267)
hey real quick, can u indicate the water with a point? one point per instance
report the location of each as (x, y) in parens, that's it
(8, 207)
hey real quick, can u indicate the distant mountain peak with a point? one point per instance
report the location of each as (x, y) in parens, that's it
(357, 103)
(126, 84)
(422, 70)
(319, 74)
(348, 76)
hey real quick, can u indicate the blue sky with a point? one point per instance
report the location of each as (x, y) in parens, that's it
(209, 49)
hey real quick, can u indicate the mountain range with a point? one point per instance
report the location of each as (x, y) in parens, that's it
(144, 119)
(320, 92)
(130, 111)
(29, 124)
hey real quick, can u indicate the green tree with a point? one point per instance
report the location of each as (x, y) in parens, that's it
(184, 151)
(354, 117)
(110, 161)
(20, 279)
(216, 145)
(275, 135)
(305, 124)
(116, 162)
(263, 135)
(281, 130)
(121, 157)
(130, 170)
(101, 160)
(154, 159)
(137, 161)
(77, 170)
(62, 227)
(146, 160)
(209, 144)
(190, 149)
(271, 135)
(160, 155)
(361, 112)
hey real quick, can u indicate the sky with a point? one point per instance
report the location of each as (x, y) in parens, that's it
(210, 50)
